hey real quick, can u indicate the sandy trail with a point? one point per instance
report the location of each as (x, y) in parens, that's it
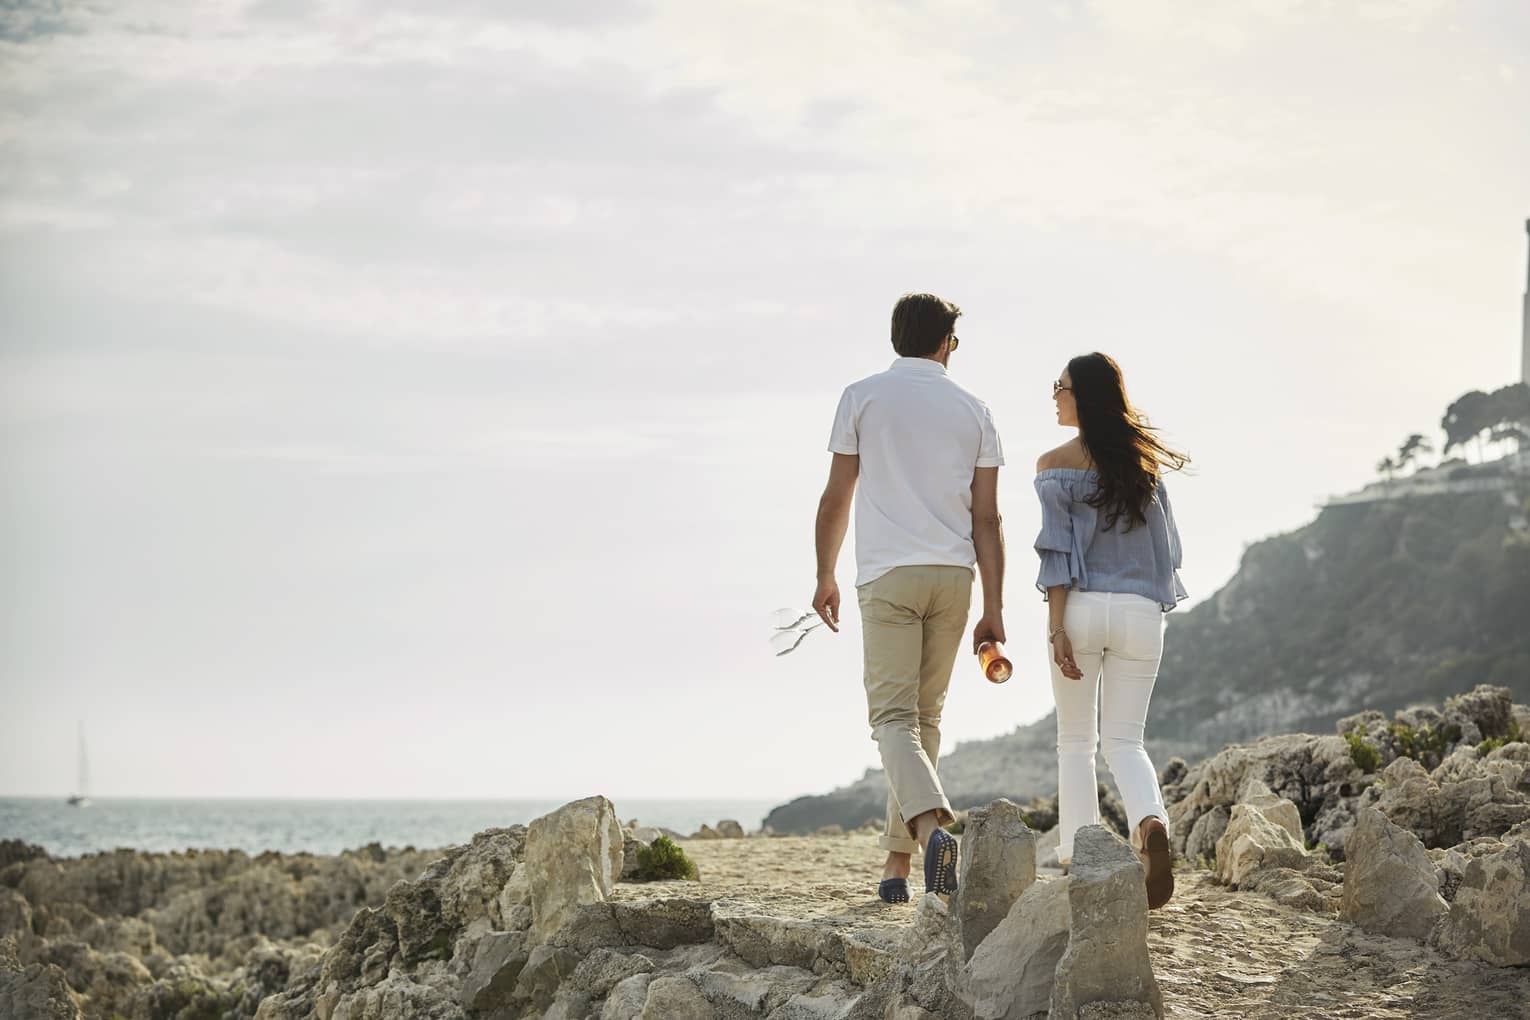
(1216, 953)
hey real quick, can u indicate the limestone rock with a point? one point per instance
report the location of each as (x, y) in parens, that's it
(1489, 709)
(1451, 864)
(514, 902)
(1010, 975)
(1333, 823)
(1314, 773)
(1390, 885)
(1201, 842)
(626, 998)
(1107, 957)
(497, 962)
(1116, 1011)
(676, 998)
(736, 989)
(1274, 807)
(908, 1010)
(107, 981)
(1489, 919)
(869, 957)
(202, 900)
(361, 956)
(569, 1004)
(16, 916)
(762, 940)
(931, 960)
(398, 997)
(832, 1001)
(998, 863)
(657, 923)
(604, 969)
(1253, 843)
(1047, 845)
(546, 968)
(1466, 797)
(630, 864)
(573, 857)
(269, 968)
(37, 992)
(730, 829)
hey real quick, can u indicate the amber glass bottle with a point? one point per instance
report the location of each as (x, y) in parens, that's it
(995, 666)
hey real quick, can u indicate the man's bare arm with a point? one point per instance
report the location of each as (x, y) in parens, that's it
(829, 534)
(988, 540)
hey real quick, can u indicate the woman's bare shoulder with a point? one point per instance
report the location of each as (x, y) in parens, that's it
(1069, 455)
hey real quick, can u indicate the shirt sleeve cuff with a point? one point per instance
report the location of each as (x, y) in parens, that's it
(1056, 568)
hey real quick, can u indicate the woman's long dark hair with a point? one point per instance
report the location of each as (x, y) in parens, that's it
(1127, 453)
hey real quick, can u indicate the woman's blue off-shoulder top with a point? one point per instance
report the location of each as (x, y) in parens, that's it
(1077, 550)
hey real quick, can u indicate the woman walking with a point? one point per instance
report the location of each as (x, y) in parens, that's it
(1109, 554)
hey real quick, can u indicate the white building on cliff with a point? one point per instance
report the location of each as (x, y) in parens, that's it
(1507, 474)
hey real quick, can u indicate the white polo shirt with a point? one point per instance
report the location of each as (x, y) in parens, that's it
(919, 436)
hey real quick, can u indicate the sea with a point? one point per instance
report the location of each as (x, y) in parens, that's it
(315, 826)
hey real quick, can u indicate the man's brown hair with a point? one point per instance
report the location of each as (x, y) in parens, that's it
(920, 322)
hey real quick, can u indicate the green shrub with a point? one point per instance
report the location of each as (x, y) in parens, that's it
(662, 860)
(1514, 736)
(1364, 754)
(1425, 745)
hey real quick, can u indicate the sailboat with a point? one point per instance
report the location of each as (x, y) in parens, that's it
(82, 798)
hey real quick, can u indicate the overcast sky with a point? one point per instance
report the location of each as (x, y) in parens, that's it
(430, 399)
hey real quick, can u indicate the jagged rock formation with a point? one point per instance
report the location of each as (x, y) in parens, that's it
(535, 922)
(1439, 854)
(147, 935)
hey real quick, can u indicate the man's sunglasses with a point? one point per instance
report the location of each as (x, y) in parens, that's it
(955, 342)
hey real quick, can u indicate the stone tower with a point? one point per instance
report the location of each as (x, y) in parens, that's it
(1524, 328)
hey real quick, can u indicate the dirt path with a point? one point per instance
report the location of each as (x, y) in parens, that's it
(1216, 953)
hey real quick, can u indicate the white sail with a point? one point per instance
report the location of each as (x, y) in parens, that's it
(82, 795)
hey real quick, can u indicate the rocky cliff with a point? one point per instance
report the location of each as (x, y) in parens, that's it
(1381, 871)
(1371, 606)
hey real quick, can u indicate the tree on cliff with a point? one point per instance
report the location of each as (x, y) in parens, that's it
(1503, 415)
(1411, 448)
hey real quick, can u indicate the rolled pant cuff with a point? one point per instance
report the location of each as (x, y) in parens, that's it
(898, 844)
(937, 803)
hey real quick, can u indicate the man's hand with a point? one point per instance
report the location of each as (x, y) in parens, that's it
(826, 602)
(989, 628)
(829, 532)
(1062, 654)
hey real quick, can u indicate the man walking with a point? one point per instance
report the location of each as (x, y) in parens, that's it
(927, 457)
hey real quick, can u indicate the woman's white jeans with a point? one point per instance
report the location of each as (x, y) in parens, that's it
(1117, 642)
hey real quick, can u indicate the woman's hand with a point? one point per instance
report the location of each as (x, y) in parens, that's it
(1062, 654)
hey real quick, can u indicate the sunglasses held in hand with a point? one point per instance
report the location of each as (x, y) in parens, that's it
(790, 628)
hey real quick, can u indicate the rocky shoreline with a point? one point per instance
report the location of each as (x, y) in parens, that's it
(1380, 871)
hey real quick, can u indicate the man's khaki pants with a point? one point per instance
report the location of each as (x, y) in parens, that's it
(912, 619)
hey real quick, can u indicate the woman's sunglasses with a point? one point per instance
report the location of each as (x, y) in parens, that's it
(1058, 387)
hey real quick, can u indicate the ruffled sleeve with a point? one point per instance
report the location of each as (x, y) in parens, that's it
(1056, 544)
(1176, 553)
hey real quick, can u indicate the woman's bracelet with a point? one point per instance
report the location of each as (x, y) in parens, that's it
(1052, 634)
